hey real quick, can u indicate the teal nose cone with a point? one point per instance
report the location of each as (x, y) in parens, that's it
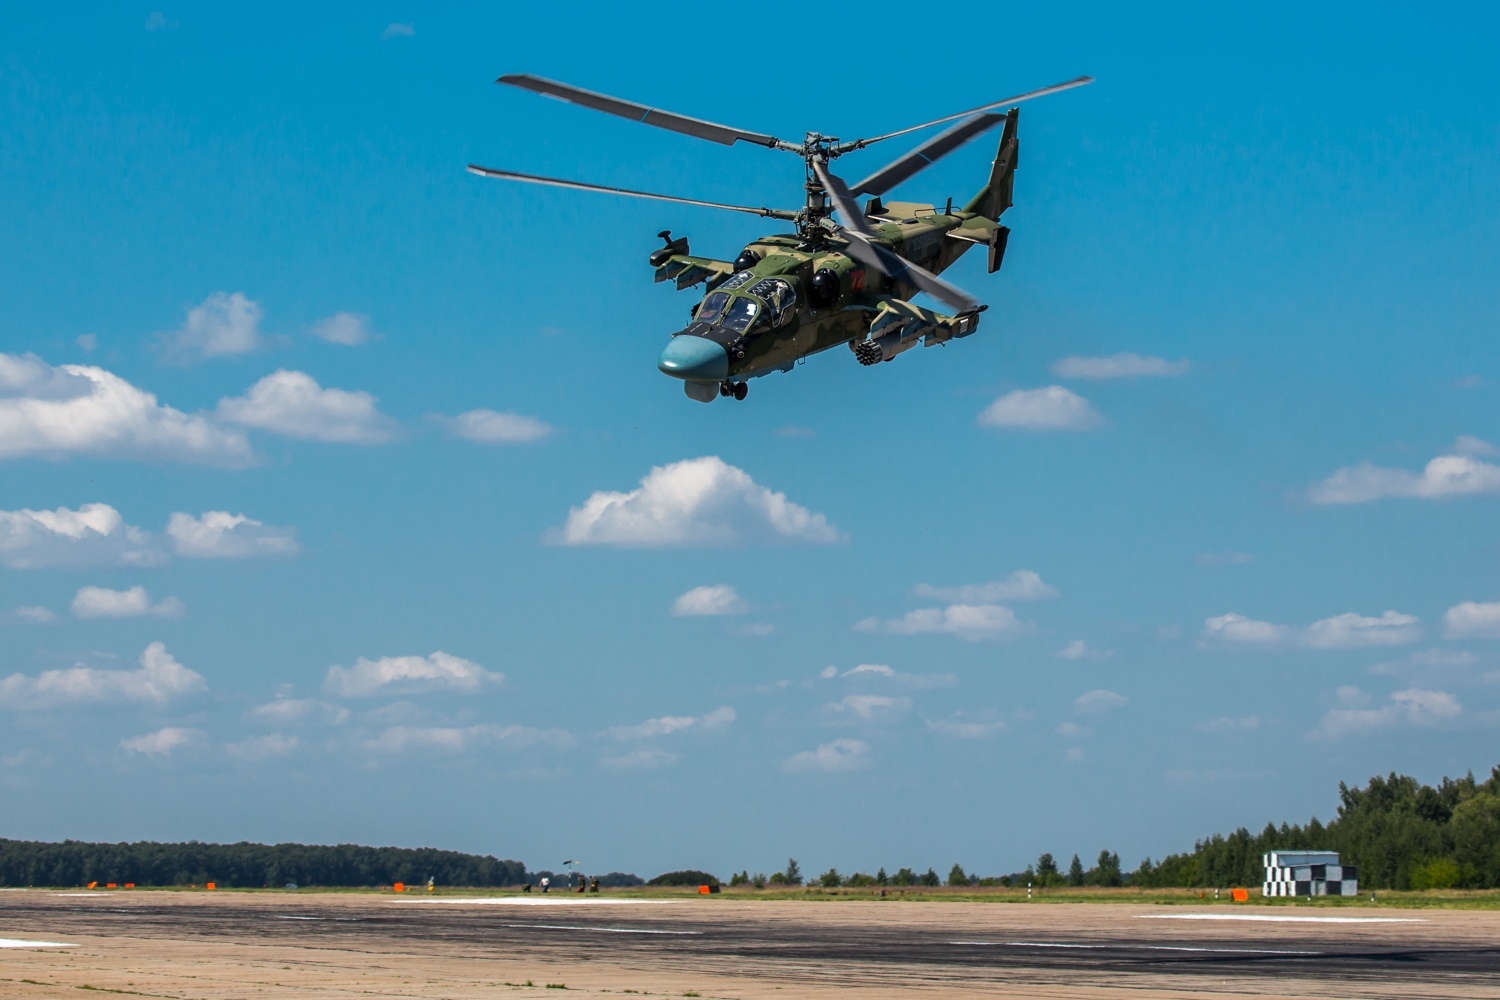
(694, 358)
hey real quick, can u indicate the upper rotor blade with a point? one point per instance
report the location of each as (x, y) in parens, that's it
(843, 201)
(510, 175)
(928, 153)
(721, 134)
(888, 262)
(1082, 81)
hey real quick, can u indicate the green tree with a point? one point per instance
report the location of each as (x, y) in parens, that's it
(931, 878)
(1075, 872)
(904, 876)
(792, 875)
(957, 875)
(881, 878)
(831, 879)
(1046, 866)
(743, 878)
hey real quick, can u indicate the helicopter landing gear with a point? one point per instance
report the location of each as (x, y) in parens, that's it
(738, 390)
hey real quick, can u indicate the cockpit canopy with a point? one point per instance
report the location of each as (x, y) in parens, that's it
(770, 301)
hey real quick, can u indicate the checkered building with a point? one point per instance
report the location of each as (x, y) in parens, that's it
(1309, 873)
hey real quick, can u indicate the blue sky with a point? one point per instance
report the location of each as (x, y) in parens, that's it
(1199, 524)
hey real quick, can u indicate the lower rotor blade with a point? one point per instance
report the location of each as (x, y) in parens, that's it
(843, 201)
(511, 175)
(927, 154)
(888, 262)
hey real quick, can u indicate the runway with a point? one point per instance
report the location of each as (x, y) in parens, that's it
(335, 945)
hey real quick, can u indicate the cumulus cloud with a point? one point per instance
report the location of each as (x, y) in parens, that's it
(1080, 650)
(959, 729)
(407, 675)
(93, 535)
(666, 724)
(29, 614)
(1120, 366)
(1099, 700)
(1472, 620)
(397, 29)
(840, 755)
(454, 739)
(973, 622)
(1051, 409)
(883, 672)
(698, 503)
(490, 427)
(1412, 707)
(264, 747)
(221, 325)
(346, 328)
(294, 405)
(85, 410)
(299, 711)
(639, 760)
(1022, 585)
(166, 741)
(1346, 631)
(218, 534)
(159, 679)
(871, 706)
(719, 599)
(101, 602)
(1228, 724)
(1459, 473)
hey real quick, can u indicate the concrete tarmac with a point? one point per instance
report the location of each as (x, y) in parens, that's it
(221, 945)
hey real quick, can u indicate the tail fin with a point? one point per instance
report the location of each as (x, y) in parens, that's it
(994, 198)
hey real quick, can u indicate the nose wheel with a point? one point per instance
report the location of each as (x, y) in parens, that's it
(739, 390)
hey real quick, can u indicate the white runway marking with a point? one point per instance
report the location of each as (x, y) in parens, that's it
(1137, 947)
(18, 943)
(1268, 918)
(601, 930)
(534, 901)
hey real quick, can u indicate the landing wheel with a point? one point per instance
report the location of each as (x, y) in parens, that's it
(726, 388)
(741, 390)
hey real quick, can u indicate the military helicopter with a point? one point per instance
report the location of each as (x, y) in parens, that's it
(791, 295)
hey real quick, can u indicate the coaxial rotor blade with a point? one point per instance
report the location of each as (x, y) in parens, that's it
(889, 263)
(1082, 81)
(722, 134)
(928, 153)
(511, 175)
(843, 201)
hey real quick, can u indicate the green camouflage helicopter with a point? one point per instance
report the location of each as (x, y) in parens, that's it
(791, 295)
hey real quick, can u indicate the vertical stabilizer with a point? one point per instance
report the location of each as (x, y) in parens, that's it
(995, 197)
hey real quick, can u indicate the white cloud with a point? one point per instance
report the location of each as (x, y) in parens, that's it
(85, 410)
(959, 729)
(407, 675)
(1099, 700)
(882, 672)
(263, 747)
(346, 328)
(1227, 724)
(1352, 631)
(165, 741)
(1080, 650)
(1457, 474)
(973, 622)
(221, 325)
(397, 29)
(1346, 631)
(1072, 730)
(93, 535)
(295, 711)
(101, 602)
(667, 724)
(699, 502)
(30, 614)
(294, 405)
(840, 755)
(1051, 409)
(871, 706)
(639, 760)
(719, 599)
(157, 21)
(490, 427)
(1022, 585)
(1120, 366)
(1472, 620)
(218, 534)
(160, 679)
(457, 738)
(87, 342)
(1412, 707)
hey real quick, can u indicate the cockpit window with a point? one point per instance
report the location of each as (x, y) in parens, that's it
(711, 307)
(741, 314)
(781, 298)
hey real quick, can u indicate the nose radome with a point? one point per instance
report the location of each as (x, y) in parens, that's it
(694, 358)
